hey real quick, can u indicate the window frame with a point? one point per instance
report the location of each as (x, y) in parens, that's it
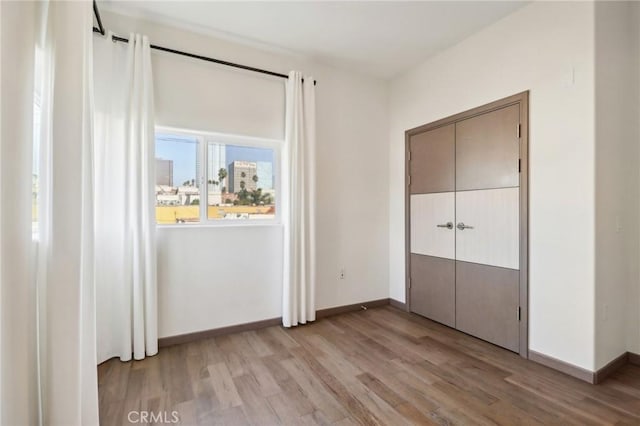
(204, 138)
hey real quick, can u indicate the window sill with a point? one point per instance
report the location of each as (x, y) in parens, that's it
(233, 224)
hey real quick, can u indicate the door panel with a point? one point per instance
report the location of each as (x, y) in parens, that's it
(427, 212)
(433, 288)
(487, 150)
(432, 167)
(494, 215)
(487, 303)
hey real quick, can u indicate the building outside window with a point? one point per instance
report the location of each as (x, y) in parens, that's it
(210, 178)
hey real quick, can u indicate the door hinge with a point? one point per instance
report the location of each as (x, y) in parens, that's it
(409, 180)
(519, 130)
(409, 155)
(519, 165)
(409, 282)
(519, 314)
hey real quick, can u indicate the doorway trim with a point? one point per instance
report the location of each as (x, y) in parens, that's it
(523, 100)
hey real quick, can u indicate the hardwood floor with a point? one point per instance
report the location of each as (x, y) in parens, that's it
(380, 366)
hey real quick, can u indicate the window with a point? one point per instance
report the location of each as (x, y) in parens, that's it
(208, 178)
(177, 179)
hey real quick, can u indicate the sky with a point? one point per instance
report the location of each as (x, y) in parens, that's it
(183, 151)
(243, 153)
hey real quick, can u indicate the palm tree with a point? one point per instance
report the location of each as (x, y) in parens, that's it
(256, 196)
(243, 174)
(242, 184)
(243, 195)
(255, 178)
(222, 174)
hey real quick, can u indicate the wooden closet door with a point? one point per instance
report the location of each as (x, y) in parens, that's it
(433, 289)
(429, 212)
(488, 150)
(487, 303)
(432, 166)
(493, 218)
(487, 226)
(432, 216)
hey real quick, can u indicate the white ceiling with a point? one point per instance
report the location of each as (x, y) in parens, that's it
(374, 37)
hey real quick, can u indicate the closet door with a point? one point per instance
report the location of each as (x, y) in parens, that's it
(487, 226)
(487, 303)
(433, 290)
(488, 150)
(432, 167)
(432, 216)
(487, 257)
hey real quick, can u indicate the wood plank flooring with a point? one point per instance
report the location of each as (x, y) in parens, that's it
(376, 367)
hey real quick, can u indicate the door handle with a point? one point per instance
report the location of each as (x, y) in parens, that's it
(461, 226)
(448, 225)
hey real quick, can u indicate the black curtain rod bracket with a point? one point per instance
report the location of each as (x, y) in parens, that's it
(96, 13)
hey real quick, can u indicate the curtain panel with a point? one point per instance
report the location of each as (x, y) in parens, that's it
(47, 301)
(125, 199)
(298, 205)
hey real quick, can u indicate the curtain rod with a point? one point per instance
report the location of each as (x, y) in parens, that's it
(100, 30)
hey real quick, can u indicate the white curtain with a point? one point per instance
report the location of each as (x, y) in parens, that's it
(298, 215)
(48, 301)
(19, 382)
(125, 199)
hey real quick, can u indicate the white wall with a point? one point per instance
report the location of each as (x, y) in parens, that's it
(617, 179)
(633, 299)
(546, 48)
(214, 277)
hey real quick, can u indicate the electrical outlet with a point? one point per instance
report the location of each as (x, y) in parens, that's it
(341, 276)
